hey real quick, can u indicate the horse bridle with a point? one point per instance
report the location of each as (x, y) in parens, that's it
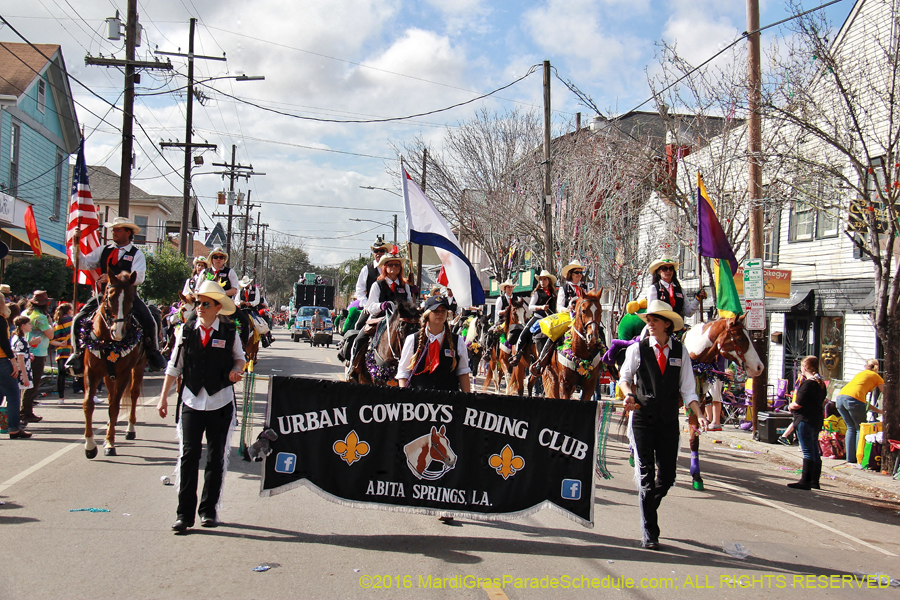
(106, 307)
(395, 354)
(731, 338)
(583, 335)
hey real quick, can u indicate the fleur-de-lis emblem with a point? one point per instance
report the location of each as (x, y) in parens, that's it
(351, 449)
(113, 357)
(506, 463)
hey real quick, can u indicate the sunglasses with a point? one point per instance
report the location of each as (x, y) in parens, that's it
(379, 251)
(208, 304)
(577, 272)
(217, 257)
(667, 268)
(392, 264)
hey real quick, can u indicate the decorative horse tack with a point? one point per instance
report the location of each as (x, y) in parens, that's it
(498, 355)
(578, 361)
(379, 366)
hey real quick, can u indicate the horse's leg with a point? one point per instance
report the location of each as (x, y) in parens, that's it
(90, 388)
(116, 391)
(694, 426)
(137, 379)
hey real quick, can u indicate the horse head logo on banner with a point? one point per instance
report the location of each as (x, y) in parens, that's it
(431, 447)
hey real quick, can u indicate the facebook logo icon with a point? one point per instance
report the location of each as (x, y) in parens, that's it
(571, 489)
(285, 462)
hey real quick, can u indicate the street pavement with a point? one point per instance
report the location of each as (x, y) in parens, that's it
(801, 544)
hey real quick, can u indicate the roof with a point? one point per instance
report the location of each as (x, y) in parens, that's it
(175, 204)
(198, 249)
(20, 64)
(105, 185)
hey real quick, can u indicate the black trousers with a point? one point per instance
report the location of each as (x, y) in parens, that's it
(656, 441)
(138, 308)
(194, 424)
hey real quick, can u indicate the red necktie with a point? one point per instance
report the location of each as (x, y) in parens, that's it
(670, 295)
(661, 360)
(205, 334)
(114, 257)
(578, 291)
(394, 287)
(434, 356)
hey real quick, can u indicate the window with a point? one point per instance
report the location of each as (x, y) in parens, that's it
(60, 185)
(771, 235)
(41, 95)
(15, 133)
(140, 238)
(688, 260)
(803, 221)
(829, 194)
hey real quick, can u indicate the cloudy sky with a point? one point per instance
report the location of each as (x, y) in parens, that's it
(344, 60)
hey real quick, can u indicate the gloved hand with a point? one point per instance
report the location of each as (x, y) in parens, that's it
(260, 447)
(701, 295)
(385, 305)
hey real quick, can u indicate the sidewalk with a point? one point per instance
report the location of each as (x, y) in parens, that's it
(840, 470)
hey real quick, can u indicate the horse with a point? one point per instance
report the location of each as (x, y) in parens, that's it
(499, 354)
(378, 366)
(475, 327)
(431, 447)
(578, 362)
(114, 353)
(706, 343)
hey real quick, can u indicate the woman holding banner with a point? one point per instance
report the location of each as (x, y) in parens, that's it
(435, 358)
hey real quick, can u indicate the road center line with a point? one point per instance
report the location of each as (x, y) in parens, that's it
(33, 468)
(755, 498)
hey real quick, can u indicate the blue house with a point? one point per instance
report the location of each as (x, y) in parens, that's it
(38, 132)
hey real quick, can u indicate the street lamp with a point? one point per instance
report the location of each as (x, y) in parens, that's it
(369, 187)
(380, 223)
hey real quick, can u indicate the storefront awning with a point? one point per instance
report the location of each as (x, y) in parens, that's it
(822, 297)
(867, 304)
(22, 236)
(802, 299)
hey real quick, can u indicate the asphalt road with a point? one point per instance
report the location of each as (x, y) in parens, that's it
(801, 544)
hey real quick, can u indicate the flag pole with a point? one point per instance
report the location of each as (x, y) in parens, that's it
(76, 240)
(699, 258)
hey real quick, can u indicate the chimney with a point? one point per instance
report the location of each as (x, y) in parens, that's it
(577, 122)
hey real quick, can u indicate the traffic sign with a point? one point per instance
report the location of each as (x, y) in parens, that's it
(754, 283)
(756, 315)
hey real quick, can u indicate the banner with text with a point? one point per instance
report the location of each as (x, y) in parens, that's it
(474, 455)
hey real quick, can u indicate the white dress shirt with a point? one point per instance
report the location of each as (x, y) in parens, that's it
(687, 386)
(498, 309)
(409, 348)
(361, 291)
(373, 306)
(202, 401)
(691, 304)
(138, 263)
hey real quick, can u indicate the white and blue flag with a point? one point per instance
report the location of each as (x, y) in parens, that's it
(426, 226)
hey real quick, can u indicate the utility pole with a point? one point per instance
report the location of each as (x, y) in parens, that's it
(233, 172)
(760, 402)
(188, 144)
(131, 42)
(419, 263)
(256, 245)
(246, 225)
(548, 213)
(395, 230)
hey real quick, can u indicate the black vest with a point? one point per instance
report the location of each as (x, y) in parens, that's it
(123, 265)
(222, 278)
(207, 366)
(663, 294)
(544, 297)
(569, 292)
(387, 295)
(249, 294)
(443, 377)
(658, 393)
(372, 274)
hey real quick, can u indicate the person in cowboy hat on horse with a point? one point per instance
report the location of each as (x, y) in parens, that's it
(251, 300)
(221, 273)
(572, 288)
(122, 256)
(193, 282)
(665, 286)
(655, 375)
(503, 300)
(542, 299)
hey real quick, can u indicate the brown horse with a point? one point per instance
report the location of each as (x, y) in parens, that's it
(114, 354)
(499, 355)
(578, 362)
(378, 366)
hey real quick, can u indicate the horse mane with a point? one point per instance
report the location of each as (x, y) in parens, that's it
(408, 310)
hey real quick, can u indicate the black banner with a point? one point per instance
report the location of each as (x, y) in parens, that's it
(474, 455)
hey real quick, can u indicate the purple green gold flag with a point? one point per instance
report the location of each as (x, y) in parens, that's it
(711, 242)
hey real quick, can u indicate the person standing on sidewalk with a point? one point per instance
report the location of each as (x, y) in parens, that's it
(210, 359)
(808, 409)
(657, 372)
(851, 403)
(62, 343)
(39, 340)
(9, 373)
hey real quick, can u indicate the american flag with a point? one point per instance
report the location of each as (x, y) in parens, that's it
(82, 215)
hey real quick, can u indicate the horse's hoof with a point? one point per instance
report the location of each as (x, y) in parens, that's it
(631, 461)
(109, 452)
(91, 453)
(698, 485)
(130, 435)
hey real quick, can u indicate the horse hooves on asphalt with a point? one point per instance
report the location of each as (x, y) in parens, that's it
(91, 453)
(109, 452)
(130, 435)
(697, 484)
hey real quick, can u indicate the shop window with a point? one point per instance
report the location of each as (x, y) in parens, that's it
(832, 347)
(140, 238)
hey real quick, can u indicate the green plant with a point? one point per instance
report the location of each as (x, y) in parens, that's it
(166, 271)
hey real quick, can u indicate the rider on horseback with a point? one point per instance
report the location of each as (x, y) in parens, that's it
(389, 288)
(540, 305)
(119, 257)
(569, 292)
(367, 276)
(665, 287)
(251, 301)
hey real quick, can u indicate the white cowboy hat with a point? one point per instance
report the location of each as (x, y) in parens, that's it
(200, 259)
(245, 281)
(123, 222)
(572, 265)
(546, 273)
(664, 310)
(391, 257)
(507, 283)
(218, 250)
(213, 290)
(4, 289)
(663, 260)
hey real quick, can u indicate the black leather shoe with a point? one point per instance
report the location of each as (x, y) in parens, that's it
(208, 522)
(181, 525)
(650, 545)
(155, 360)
